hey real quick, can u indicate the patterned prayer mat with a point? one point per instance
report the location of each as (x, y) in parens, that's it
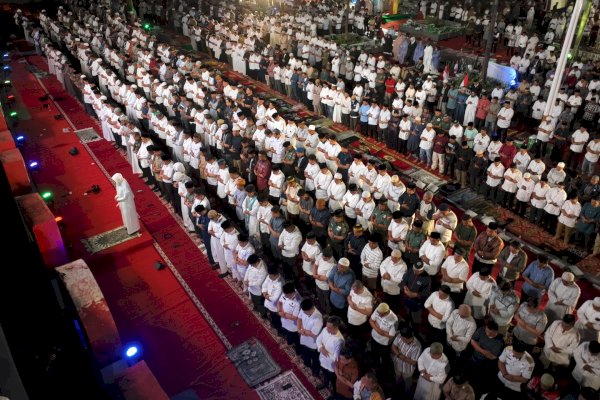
(253, 362)
(284, 387)
(108, 239)
(87, 135)
(590, 266)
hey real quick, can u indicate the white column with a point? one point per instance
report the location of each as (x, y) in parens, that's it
(562, 61)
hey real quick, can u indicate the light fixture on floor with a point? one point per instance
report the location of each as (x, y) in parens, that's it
(73, 151)
(159, 265)
(20, 140)
(33, 165)
(132, 353)
(47, 196)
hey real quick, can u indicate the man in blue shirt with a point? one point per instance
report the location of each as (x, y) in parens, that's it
(340, 283)
(363, 112)
(538, 276)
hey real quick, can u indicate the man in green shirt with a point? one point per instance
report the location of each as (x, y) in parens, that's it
(337, 231)
(381, 218)
(414, 239)
(446, 123)
(464, 235)
(437, 120)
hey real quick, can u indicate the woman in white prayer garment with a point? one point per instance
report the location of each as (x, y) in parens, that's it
(126, 204)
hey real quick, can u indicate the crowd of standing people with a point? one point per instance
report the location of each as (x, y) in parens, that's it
(381, 291)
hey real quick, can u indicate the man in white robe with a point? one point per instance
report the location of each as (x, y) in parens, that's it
(563, 295)
(433, 370)
(560, 341)
(587, 365)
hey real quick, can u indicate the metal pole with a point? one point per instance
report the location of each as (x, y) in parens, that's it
(584, 20)
(489, 34)
(564, 53)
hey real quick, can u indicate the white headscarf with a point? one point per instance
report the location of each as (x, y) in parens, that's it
(118, 178)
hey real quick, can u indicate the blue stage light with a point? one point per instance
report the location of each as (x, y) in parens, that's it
(132, 353)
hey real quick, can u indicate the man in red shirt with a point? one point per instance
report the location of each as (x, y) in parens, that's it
(390, 85)
(439, 151)
(507, 152)
(482, 108)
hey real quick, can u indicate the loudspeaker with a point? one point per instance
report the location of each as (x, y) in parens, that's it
(74, 151)
(159, 266)
(94, 189)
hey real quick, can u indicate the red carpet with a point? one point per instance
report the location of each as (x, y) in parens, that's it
(228, 311)
(148, 306)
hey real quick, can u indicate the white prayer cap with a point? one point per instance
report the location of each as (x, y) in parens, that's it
(224, 127)
(337, 176)
(560, 165)
(344, 261)
(156, 81)
(117, 82)
(98, 59)
(260, 122)
(568, 276)
(181, 57)
(396, 253)
(205, 112)
(83, 76)
(103, 98)
(311, 128)
(366, 194)
(235, 127)
(526, 175)
(596, 301)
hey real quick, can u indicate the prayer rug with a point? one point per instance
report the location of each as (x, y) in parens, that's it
(108, 239)
(590, 266)
(253, 362)
(87, 135)
(284, 387)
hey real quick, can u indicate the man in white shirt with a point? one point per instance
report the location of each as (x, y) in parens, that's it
(555, 197)
(392, 271)
(288, 308)
(516, 367)
(495, 174)
(579, 139)
(255, 276)
(310, 324)
(460, 327)
(455, 271)
(289, 245)
(569, 214)
(432, 253)
(440, 306)
(329, 344)
(271, 291)
(505, 116)
(445, 223)
(384, 324)
(360, 307)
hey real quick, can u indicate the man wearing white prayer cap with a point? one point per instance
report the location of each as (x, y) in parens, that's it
(563, 295)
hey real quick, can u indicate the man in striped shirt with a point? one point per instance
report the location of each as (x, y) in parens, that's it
(405, 350)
